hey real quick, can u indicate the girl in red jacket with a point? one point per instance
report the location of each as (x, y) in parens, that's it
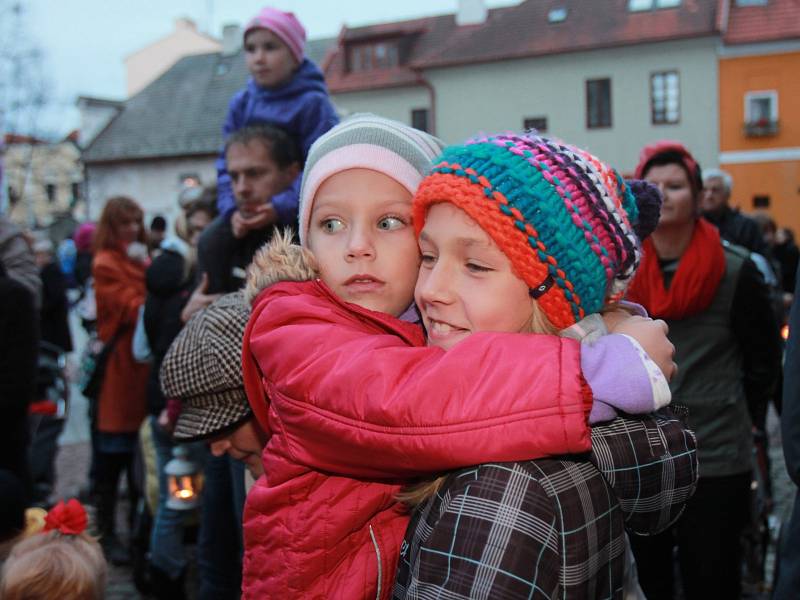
(338, 365)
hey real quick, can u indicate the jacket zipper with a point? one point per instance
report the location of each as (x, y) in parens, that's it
(378, 553)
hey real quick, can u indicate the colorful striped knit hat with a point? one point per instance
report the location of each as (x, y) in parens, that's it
(366, 141)
(569, 224)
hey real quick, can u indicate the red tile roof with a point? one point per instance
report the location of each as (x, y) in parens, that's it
(777, 20)
(517, 32)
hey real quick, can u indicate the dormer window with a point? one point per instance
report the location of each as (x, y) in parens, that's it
(641, 5)
(370, 56)
(557, 15)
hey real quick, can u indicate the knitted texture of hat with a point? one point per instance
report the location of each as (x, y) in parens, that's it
(283, 24)
(562, 217)
(366, 141)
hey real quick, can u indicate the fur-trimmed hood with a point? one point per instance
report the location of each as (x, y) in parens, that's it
(279, 260)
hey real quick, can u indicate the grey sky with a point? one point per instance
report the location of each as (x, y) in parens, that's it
(85, 41)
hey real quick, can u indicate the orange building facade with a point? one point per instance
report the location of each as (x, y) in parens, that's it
(759, 111)
(760, 133)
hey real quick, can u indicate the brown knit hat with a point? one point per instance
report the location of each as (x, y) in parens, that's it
(203, 368)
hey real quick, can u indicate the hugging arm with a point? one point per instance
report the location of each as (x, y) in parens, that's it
(394, 408)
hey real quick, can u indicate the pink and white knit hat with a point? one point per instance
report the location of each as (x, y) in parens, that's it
(283, 24)
(366, 141)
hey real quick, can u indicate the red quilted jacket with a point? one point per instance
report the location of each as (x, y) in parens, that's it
(341, 389)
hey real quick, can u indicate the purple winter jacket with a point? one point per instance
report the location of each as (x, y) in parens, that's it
(302, 108)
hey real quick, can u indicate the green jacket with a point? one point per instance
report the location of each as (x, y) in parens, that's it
(728, 358)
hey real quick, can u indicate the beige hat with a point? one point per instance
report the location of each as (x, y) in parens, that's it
(203, 369)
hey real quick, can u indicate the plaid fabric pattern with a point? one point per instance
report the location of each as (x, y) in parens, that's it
(651, 463)
(541, 529)
(203, 368)
(550, 528)
(204, 416)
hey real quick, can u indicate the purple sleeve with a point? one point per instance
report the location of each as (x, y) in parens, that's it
(614, 367)
(225, 202)
(285, 203)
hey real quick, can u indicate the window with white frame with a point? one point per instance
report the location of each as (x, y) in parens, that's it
(761, 107)
(665, 98)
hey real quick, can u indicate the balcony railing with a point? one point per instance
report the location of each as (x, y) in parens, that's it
(761, 128)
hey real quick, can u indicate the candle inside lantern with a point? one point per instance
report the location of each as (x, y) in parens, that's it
(185, 481)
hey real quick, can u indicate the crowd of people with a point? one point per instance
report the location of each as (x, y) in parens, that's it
(405, 369)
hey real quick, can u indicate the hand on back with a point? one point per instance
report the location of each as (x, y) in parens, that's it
(651, 335)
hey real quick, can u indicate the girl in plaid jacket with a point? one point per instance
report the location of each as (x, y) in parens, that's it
(520, 233)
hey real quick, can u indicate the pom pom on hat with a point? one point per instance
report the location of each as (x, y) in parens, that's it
(648, 200)
(564, 219)
(283, 24)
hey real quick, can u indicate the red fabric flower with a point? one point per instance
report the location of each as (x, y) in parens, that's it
(69, 518)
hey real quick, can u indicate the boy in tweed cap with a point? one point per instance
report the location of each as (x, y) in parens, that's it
(203, 370)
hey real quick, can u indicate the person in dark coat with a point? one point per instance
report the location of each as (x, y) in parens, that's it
(56, 340)
(262, 161)
(55, 306)
(733, 226)
(169, 281)
(19, 332)
(788, 582)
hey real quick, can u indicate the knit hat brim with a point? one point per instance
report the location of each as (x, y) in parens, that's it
(366, 141)
(472, 199)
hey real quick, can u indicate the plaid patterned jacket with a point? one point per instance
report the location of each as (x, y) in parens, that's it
(550, 528)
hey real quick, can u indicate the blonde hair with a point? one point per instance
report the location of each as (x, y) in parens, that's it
(52, 565)
(417, 493)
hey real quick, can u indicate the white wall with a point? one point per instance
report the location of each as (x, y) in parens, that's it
(393, 103)
(500, 95)
(153, 184)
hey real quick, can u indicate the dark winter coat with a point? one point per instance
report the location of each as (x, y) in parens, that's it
(55, 307)
(168, 289)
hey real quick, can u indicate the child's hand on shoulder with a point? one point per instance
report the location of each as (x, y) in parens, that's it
(651, 335)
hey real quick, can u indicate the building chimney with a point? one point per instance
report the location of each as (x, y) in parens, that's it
(185, 24)
(231, 39)
(471, 12)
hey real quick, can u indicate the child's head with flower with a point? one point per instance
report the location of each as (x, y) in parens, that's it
(62, 561)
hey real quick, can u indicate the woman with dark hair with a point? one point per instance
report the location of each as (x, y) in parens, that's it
(728, 354)
(118, 272)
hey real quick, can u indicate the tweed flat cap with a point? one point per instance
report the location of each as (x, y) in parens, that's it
(203, 368)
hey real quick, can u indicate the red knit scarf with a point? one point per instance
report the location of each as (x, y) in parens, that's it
(695, 283)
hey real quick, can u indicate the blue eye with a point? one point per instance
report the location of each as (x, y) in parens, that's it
(331, 225)
(391, 223)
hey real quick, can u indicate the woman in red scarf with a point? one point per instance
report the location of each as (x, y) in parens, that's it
(728, 354)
